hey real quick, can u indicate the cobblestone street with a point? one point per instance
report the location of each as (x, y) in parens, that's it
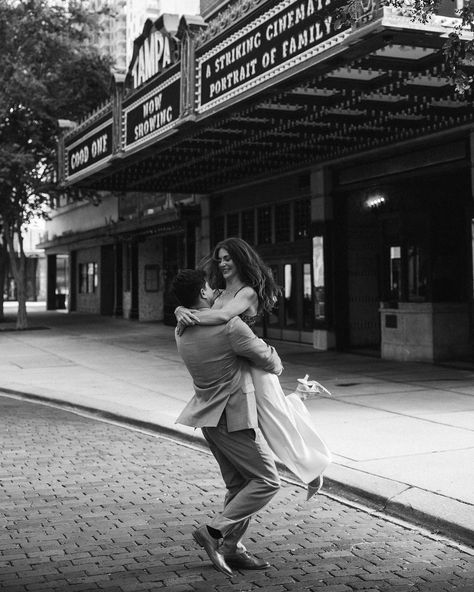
(88, 505)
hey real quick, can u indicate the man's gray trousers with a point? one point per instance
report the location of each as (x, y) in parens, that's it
(250, 475)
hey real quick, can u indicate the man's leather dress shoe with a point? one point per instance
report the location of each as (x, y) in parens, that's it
(210, 545)
(244, 560)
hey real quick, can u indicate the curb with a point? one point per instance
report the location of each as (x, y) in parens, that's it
(409, 505)
(382, 495)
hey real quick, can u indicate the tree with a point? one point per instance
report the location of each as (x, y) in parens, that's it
(49, 70)
(3, 269)
(458, 49)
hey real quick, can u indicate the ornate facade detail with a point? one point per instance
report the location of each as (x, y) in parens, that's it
(225, 19)
(88, 120)
(190, 28)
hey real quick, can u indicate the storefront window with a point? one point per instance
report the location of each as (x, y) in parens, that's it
(318, 278)
(282, 222)
(82, 278)
(307, 297)
(416, 276)
(248, 226)
(127, 267)
(407, 279)
(302, 218)
(218, 229)
(264, 228)
(92, 277)
(232, 225)
(265, 225)
(88, 278)
(62, 275)
(395, 271)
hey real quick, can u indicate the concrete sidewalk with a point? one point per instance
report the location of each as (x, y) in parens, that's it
(402, 434)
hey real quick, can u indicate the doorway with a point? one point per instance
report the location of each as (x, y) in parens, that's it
(358, 277)
(292, 317)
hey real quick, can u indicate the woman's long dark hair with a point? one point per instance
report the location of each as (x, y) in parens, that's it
(251, 269)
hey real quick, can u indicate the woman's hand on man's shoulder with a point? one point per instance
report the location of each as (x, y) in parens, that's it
(185, 316)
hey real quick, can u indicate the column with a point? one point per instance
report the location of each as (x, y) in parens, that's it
(118, 79)
(72, 305)
(471, 246)
(189, 28)
(118, 278)
(203, 247)
(51, 283)
(134, 279)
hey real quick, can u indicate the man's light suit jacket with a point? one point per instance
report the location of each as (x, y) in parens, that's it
(217, 357)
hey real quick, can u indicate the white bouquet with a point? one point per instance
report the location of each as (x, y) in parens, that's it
(311, 389)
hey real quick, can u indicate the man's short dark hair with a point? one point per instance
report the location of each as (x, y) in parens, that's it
(186, 286)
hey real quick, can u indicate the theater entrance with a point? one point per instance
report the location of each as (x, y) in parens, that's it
(292, 317)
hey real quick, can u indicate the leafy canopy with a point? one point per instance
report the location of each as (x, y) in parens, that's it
(458, 50)
(49, 70)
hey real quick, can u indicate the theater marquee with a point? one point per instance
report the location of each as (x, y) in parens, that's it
(289, 33)
(153, 114)
(89, 151)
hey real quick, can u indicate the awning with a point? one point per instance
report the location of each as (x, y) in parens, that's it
(271, 93)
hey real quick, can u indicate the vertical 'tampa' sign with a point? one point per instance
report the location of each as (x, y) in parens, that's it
(155, 50)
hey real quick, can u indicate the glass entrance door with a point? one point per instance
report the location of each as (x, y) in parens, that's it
(291, 318)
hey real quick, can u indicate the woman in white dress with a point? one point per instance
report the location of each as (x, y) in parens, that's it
(245, 287)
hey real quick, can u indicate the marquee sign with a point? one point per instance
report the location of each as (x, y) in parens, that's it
(90, 150)
(289, 33)
(155, 50)
(153, 113)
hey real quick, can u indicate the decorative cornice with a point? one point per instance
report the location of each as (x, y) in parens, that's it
(393, 16)
(90, 119)
(225, 19)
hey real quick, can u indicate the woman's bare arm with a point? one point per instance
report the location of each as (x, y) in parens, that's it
(245, 299)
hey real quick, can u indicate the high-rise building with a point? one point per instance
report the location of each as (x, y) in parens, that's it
(125, 23)
(112, 38)
(137, 12)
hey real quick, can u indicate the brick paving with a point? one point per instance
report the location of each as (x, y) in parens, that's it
(87, 505)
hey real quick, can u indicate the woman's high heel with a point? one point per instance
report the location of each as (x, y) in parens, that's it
(314, 487)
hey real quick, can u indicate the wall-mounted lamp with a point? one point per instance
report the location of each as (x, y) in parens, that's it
(375, 201)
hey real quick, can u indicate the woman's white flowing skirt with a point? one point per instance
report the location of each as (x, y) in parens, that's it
(288, 428)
